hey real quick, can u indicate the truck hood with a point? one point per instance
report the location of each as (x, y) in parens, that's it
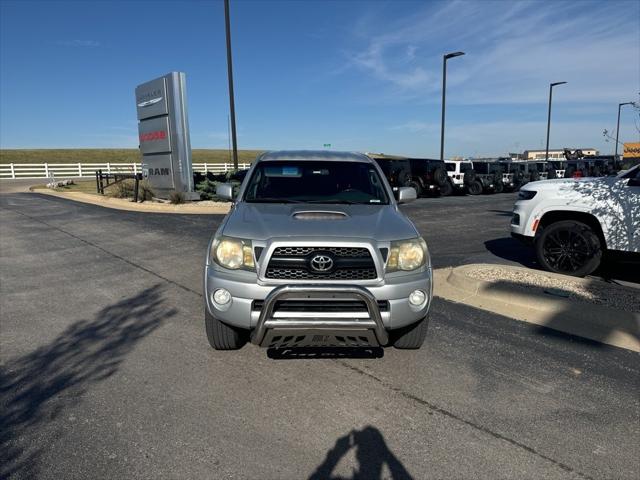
(568, 184)
(262, 221)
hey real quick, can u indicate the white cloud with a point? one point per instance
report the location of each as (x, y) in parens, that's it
(80, 43)
(415, 126)
(514, 49)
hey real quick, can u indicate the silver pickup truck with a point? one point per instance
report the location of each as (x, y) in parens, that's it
(315, 252)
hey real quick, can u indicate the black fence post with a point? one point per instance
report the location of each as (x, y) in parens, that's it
(135, 193)
(97, 183)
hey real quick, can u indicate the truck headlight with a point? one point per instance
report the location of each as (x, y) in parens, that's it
(526, 194)
(233, 253)
(407, 255)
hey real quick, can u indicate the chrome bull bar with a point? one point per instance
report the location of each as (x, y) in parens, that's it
(318, 328)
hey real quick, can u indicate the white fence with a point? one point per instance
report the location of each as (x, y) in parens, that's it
(61, 170)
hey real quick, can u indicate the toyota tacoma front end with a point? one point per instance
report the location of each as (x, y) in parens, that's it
(315, 252)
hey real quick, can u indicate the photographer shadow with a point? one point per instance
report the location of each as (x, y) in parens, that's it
(371, 452)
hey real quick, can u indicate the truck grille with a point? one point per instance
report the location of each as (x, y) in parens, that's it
(295, 263)
(357, 252)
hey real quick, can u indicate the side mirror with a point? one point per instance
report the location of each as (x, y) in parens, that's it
(406, 194)
(225, 191)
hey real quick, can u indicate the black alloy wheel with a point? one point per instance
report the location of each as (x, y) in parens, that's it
(569, 247)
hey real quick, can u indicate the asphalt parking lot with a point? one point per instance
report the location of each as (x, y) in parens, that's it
(106, 371)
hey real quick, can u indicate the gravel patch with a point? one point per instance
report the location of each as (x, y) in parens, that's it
(579, 290)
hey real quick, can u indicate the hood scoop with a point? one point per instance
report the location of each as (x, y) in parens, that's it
(319, 215)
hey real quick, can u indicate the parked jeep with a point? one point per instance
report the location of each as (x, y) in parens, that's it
(396, 170)
(489, 174)
(316, 252)
(429, 176)
(425, 176)
(545, 171)
(573, 223)
(559, 167)
(533, 171)
(591, 167)
(577, 169)
(513, 174)
(463, 177)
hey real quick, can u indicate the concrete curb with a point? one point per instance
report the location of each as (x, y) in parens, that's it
(122, 204)
(607, 325)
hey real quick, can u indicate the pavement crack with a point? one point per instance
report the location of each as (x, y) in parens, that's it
(104, 250)
(436, 409)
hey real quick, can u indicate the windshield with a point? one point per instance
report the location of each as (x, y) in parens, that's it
(316, 182)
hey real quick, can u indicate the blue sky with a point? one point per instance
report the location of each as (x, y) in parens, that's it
(358, 75)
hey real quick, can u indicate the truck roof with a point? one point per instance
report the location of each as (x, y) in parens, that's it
(324, 155)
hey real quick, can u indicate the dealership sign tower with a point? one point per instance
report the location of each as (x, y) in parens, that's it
(163, 129)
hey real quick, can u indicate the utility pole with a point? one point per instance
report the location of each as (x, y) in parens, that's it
(232, 107)
(444, 90)
(551, 85)
(615, 155)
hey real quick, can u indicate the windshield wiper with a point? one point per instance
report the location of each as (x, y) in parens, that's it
(343, 202)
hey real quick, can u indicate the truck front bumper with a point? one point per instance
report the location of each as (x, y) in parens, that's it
(311, 328)
(255, 307)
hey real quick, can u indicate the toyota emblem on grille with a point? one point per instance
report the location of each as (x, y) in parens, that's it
(321, 263)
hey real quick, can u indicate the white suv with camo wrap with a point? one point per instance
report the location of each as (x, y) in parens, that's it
(573, 223)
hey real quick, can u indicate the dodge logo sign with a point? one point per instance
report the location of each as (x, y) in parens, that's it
(321, 263)
(151, 136)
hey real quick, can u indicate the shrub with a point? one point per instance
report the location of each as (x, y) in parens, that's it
(176, 198)
(145, 192)
(123, 189)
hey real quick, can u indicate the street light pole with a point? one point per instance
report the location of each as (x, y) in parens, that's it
(615, 155)
(444, 91)
(232, 107)
(551, 85)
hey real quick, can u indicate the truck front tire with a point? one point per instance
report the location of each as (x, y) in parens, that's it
(410, 337)
(222, 336)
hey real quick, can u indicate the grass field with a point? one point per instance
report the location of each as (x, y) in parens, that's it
(111, 155)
